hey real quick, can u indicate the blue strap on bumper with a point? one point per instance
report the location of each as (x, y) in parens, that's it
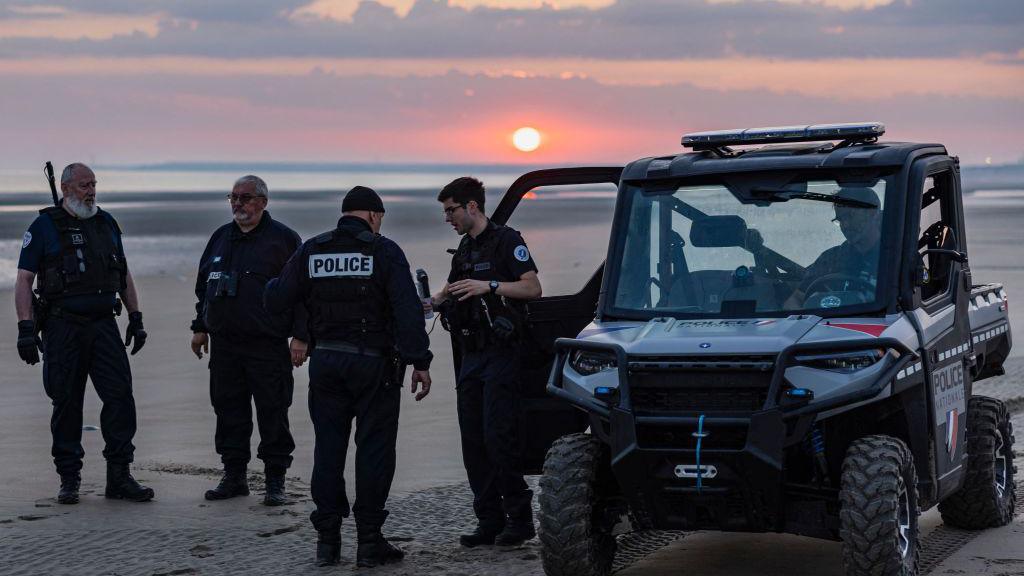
(700, 437)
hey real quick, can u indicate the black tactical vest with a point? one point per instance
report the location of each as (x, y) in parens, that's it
(471, 319)
(89, 260)
(348, 300)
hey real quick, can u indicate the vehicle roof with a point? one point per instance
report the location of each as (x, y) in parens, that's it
(805, 156)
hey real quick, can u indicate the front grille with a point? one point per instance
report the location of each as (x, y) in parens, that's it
(699, 391)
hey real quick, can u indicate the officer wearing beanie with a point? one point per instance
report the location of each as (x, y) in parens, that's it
(366, 325)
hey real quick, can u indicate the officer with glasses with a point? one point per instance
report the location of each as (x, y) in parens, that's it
(852, 266)
(493, 275)
(251, 359)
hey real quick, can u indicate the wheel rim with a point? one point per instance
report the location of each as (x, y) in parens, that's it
(1001, 468)
(903, 520)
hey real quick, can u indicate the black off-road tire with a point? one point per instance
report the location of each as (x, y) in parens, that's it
(989, 493)
(576, 538)
(878, 496)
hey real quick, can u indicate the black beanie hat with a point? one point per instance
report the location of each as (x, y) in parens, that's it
(362, 198)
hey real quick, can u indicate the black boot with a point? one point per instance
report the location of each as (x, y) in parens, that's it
(275, 487)
(519, 523)
(374, 549)
(328, 547)
(122, 486)
(69, 485)
(482, 536)
(515, 533)
(233, 483)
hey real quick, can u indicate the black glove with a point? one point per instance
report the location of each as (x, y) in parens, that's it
(503, 328)
(29, 344)
(135, 332)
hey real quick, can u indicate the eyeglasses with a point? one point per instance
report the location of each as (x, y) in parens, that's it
(451, 209)
(241, 198)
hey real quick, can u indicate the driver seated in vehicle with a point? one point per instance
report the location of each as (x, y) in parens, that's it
(851, 266)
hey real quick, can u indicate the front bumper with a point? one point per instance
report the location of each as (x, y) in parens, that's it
(734, 479)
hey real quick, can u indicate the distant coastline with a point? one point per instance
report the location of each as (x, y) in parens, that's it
(403, 167)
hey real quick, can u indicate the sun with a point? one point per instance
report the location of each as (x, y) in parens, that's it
(526, 139)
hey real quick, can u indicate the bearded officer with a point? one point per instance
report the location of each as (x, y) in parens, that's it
(74, 250)
(251, 360)
(366, 323)
(492, 277)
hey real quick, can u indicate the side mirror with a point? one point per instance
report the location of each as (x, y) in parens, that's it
(956, 255)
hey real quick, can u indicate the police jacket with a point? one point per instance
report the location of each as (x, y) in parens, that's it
(234, 269)
(498, 253)
(357, 289)
(80, 263)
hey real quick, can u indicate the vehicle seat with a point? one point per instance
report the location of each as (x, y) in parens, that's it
(939, 266)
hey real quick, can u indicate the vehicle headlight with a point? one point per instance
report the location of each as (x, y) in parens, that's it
(844, 362)
(587, 363)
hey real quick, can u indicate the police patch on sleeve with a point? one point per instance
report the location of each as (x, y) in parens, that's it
(340, 265)
(26, 239)
(522, 253)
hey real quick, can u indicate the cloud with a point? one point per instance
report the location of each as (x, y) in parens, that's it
(627, 29)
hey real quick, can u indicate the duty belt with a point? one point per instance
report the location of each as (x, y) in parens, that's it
(78, 318)
(342, 346)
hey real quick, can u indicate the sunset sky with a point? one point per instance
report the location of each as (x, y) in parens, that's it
(145, 81)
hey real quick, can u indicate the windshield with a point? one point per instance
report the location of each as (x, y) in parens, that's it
(812, 246)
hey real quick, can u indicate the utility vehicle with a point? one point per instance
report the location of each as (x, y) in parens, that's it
(783, 338)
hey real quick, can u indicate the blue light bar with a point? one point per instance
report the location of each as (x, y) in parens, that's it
(818, 132)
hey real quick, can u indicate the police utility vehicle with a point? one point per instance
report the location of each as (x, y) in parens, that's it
(783, 338)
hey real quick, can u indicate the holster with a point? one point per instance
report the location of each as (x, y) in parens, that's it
(40, 313)
(396, 370)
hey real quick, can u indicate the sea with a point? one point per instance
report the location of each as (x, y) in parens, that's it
(168, 211)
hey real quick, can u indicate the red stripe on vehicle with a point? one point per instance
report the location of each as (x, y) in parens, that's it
(871, 329)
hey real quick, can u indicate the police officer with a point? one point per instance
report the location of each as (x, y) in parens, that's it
(74, 251)
(366, 322)
(251, 360)
(853, 262)
(492, 276)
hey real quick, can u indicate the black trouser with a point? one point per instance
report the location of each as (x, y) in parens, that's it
(76, 351)
(344, 386)
(243, 372)
(489, 407)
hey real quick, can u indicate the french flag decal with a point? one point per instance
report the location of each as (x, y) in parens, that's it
(952, 426)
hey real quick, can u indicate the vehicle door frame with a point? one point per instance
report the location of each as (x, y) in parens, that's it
(545, 418)
(943, 325)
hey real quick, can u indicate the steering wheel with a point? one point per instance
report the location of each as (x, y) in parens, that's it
(839, 282)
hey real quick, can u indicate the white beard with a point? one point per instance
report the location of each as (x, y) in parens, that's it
(79, 208)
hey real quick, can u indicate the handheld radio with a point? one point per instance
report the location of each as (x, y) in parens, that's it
(423, 287)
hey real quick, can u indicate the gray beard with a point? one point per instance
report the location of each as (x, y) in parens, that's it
(79, 208)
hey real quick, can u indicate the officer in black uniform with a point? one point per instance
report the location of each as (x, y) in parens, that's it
(366, 323)
(855, 261)
(251, 361)
(492, 276)
(74, 250)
